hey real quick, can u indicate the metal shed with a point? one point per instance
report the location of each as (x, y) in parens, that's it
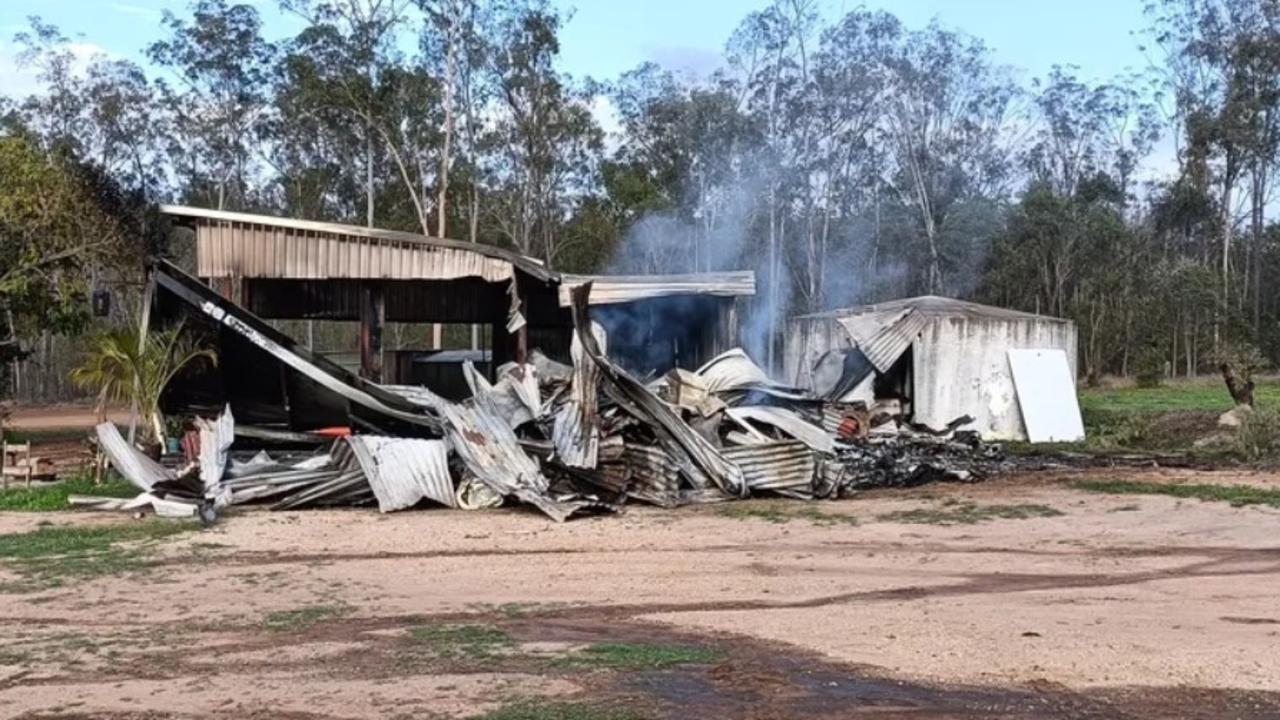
(939, 357)
(286, 269)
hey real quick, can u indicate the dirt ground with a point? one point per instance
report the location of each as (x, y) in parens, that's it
(1071, 604)
(60, 417)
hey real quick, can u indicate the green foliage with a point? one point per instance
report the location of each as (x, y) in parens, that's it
(1205, 394)
(474, 642)
(781, 513)
(641, 656)
(1258, 437)
(964, 513)
(298, 619)
(1237, 495)
(55, 555)
(53, 496)
(53, 229)
(121, 369)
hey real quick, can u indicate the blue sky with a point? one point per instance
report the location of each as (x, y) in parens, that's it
(606, 37)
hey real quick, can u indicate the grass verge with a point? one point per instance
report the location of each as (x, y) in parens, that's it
(53, 496)
(52, 556)
(1236, 495)
(640, 656)
(473, 642)
(781, 514)
(302, 618)
(968, 514)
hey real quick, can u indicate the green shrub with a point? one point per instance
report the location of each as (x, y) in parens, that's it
(1259, 435)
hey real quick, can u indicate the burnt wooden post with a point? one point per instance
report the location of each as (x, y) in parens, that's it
(373, 313)
(520, 347)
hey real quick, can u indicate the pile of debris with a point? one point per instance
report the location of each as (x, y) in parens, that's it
(571, 439)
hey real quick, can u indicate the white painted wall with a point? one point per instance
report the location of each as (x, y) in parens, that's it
(807, 340)
(962, 368)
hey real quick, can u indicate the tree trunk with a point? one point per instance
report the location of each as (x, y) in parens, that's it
(450, 64)
(1241, 389)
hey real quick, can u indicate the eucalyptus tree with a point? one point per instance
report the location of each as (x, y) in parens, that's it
(1219, 60)
(222, 66)
(550, 144)
(946, 128)
(349, 55)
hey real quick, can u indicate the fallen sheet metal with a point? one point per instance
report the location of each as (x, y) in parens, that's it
(788, 422)
(137, 468)
(251, 328)
(514, 397)
(700, 461)
(786, 468)
(216, 437)
(400, 471)
(731, 370)
(491, 451)
(883, 335)
(576, 431)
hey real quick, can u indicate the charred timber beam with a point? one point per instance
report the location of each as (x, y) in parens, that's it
(373, 313)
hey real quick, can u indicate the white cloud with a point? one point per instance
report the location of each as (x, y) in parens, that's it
(18, 81)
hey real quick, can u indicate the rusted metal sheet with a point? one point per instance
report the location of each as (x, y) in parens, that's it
(400, 471)
(697, 458)
(491, 451)
(786, 467)
(576, 432)
(653, 476)
(230, 244)
(610, 289)
(884, 335)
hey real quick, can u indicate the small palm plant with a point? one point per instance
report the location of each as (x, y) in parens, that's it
(124, 370)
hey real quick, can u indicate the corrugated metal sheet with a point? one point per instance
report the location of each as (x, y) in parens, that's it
(697, 458)
(230, 244)
(883, 336)
(788, 422)
(652, 475)
(137, 468)
(936, 306)
(576, 432)
(730, 370)
(610, 289)
(786, 468)
(491, 451)
(401, 471)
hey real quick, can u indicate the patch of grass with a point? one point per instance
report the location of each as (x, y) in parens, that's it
(747, 511)
(1236, 495)
(476, 642)
(53, 496)
(781, 514)
(1206, 393)
(640, 656)
(958, 513)
(53, 555)
(48, 435)
(303, 617)
(549, 710)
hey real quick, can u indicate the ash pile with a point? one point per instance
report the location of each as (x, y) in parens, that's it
(566, 439)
